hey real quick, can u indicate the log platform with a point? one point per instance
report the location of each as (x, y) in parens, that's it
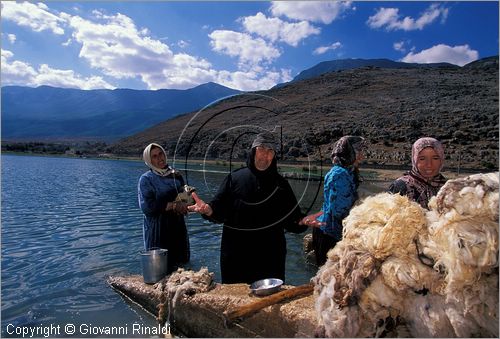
(205, 314)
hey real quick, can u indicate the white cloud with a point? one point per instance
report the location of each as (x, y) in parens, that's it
(114, 45)
(68, 78)
(12, 38)
(458, 55)
(293, 33)
(324, 49)
(182, 44)
(315, 11)
(265, 27)
(188, 71)
(286, 75)
(6, 54)
(117, 48)
(249, 51)
(67, 42)
(21, 73)
(252, 80)
(399, 46)
(390, 18)
(35, 16)
(15, 72)
(120, 50)
(275, 29)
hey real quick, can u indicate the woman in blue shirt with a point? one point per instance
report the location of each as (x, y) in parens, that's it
(164, 225)
(340, 194)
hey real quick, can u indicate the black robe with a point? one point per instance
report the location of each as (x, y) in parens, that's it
(256, 207)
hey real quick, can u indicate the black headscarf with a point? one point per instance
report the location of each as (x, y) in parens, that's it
(267, 140)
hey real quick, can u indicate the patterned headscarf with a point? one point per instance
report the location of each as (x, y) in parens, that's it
(146, 156)
(419, 145)
(418, 188)
(345, 150)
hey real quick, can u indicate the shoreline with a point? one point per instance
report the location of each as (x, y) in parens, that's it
(370, 172)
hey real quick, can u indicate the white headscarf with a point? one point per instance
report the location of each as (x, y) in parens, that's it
(146, 156)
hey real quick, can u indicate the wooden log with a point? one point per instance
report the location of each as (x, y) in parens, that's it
(247, 310)
(134, 288)
(201, 314)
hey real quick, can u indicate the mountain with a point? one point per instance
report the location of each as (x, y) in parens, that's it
(487, 63)
(345, 64)
(49, 112)
(391, 107)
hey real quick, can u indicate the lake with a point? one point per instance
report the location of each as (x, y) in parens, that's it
(69, 223)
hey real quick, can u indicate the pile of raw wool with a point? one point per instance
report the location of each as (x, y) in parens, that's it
(181, 283)
(403, 271)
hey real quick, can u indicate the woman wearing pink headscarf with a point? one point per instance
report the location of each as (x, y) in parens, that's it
(425, 178)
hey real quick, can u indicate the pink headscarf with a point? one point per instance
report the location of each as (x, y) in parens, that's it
(422, 143)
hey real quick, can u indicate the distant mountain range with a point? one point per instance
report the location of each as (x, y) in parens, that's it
(48, 113)
(51, 113)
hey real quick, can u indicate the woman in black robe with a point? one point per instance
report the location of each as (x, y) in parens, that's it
(256, 205)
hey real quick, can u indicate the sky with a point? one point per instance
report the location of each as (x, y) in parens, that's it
(243, 45)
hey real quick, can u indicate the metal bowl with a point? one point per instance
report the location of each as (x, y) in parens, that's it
(266, 286)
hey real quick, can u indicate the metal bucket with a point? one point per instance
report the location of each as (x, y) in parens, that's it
(154, 264)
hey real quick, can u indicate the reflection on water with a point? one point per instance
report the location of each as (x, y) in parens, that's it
(67, 224)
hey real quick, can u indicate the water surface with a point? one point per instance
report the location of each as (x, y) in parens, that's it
(69, 223)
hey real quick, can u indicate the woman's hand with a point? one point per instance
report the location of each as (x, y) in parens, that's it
(180, 208)
(311, 221)
(200, 206)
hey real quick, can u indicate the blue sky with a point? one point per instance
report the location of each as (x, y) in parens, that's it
(242, 45)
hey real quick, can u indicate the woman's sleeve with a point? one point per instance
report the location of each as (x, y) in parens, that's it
(179, 177)
(148, 202)
(221, 203)
(342, 197)
(292, 224)
(398, 186)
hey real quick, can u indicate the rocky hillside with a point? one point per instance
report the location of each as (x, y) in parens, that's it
(390, 107)
(345, 64)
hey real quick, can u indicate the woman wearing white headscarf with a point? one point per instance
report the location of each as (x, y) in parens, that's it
(164, 225)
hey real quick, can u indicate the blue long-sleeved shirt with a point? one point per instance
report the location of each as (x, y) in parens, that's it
(339, 196)
(161, 228)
